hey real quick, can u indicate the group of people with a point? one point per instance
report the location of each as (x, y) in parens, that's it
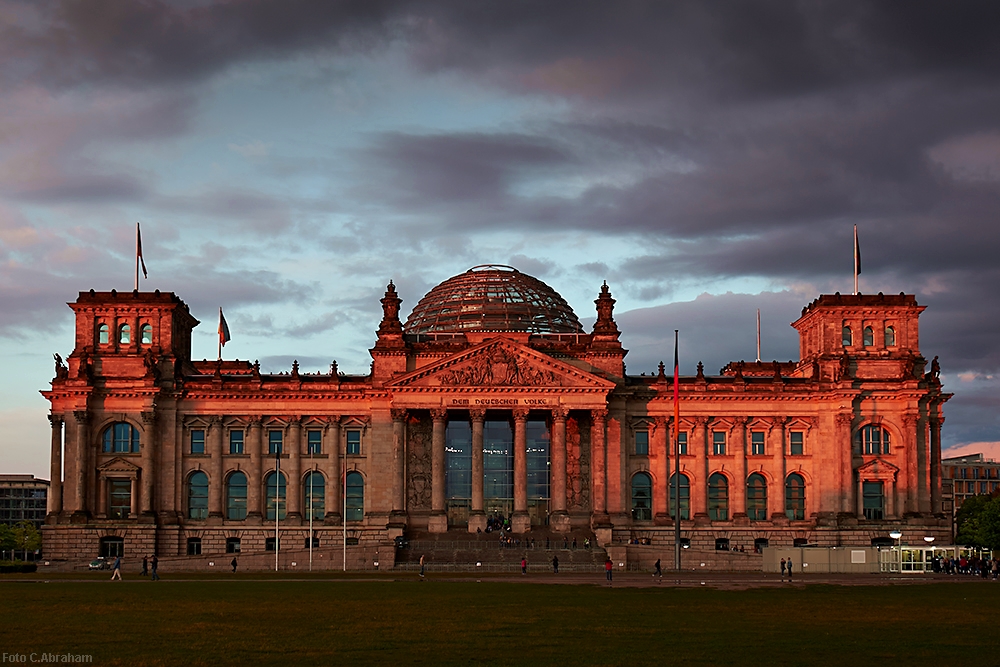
(786, 565)
(116, 569)
(497, 522)
(974, 566)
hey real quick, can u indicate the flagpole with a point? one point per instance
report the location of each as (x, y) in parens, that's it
(138, 252)
(311, 475)
(277, 500)
(758, 335)
(677, 463)
(343, 506)
(857, 259)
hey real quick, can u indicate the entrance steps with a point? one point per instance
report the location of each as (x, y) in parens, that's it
(462, 552)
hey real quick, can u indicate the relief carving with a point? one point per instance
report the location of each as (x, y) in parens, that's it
(418, 464)
(577, 467)
(498, 367)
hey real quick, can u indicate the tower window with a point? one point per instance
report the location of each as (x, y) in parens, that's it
(125, 334)
(847, 338)
(868, 337)
(146, 334)
(642, 443)
(103, 334)
(890, 337)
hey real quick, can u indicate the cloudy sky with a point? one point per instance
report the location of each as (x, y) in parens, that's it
(287, 158)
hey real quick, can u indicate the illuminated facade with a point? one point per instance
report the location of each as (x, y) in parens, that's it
(491, 400)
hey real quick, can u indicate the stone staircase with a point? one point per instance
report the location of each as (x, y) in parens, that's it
(456, 552)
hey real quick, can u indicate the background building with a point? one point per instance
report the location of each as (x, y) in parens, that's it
(491, 401)
(23, 498)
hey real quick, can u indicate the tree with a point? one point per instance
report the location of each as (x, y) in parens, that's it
(26, 537)
(7, 541)
(989, 525)
(967, 521)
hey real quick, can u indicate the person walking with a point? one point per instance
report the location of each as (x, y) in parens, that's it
(145, 566)
(117, 567)
(524, 565)
(234, 564)
(421, 566)
(155, 564)
(657, 572)
(555, 565)
(607, 569)
(789, 565)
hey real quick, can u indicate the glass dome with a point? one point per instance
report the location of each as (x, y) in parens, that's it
(492, 297)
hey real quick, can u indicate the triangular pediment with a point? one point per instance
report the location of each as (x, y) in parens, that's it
(119, 465)
(500, 363)
(878, 466)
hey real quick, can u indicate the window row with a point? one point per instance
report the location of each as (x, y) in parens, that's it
(796, 440)
(275, 487)
(234, 545)
(275, 441)
(868, 337)
(124, 334)
(718, 497)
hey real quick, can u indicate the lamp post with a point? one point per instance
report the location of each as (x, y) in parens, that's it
(896, 535)
(929, 540)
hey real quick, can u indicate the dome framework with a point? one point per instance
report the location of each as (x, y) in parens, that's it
(492, 297)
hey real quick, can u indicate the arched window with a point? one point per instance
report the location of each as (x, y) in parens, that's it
(274, 485)
(873, 440)
(685, 489)
(198, 496)
(103, 334)
(890, 337)
(354, 508)
(757, 497)
(718, 497)
(642, 497)
(314, 489)
(795, 497)
(146, 334)
(236, 497)
(125, 334)
(847, 338)
(121, 438)
(868, 337)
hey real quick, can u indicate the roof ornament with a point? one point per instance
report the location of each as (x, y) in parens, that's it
(390, 312)
(605, 323)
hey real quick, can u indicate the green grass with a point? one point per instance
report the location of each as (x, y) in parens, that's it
(213, 622)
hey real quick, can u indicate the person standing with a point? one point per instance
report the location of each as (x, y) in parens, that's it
(555, 565)
(117, 567)
(156, 563)
(145, 566)
(782, 568)
(657, 572)
(234, 564)
(789, 565)
(524, 565)
(607, 569)
(421, 566)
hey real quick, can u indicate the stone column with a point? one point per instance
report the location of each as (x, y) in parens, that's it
(922, 441)
(216, 483)
(776, 496)
(659, 454)
(935, 424)
(477, 518)
(334, 480)
(80, 468)
(438, 522)
(846, 488)
(102, 497)
(133, 499)
(255, 481)
(560, 518)
(398, 461)
(55, 466)
(520, 522)
(598, 467)
(739, 496)
(294, 490)
(911, 444)
(699, 483)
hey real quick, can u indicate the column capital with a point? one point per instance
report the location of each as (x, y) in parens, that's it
(520, 414)
(741, 421)
(214, 421)
(398, 414)
(844, 419)
(477, 414)
(600, 415)
(81, 416)
(559, 413)
(149, 418)
(295, 420)
(661, 421)
(439, 414)
(701, 421)
(255, 421)
(910, 419)
(55, 420)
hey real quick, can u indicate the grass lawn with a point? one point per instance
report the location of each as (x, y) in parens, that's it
(437, 622)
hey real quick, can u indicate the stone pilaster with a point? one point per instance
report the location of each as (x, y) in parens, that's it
(398, 461)
(438, 522)
(845, 474)
(659, 455)
(55, 499)
(935, 476)
(520, 522)
(739, 495)
(294, 490)
(779, 450)
(699, 481)
(477, 517)
(598, 467)
(216, 488)
(255, 481)
(334, 477)
(559, 520)
(83, 475)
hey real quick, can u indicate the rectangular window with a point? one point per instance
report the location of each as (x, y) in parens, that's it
(232, 545)
(194, 546)
(274, 442)
(236, 442)
(354, 442)
(642, 443)
(873, 500)
(315, 439)
(197, 441)
(757, 443)
(119, 498)
(975, 473)
(719, 443)
(682, 442)
(269, 544)
(795, 443)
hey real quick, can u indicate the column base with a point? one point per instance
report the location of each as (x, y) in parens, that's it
(520, 522)
(79, 516)
(333, 520)
(293, 519)
(254, 519)
(560, 522)
(663, 520)
(437, 523)
(149, 517)
(477, 522)
(702, 520)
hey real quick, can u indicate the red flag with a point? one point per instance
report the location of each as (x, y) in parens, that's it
(138, 250)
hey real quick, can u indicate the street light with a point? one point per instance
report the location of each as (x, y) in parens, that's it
(896, 535)
(928, 539)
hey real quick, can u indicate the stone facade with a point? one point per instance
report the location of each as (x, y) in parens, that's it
(154, 452)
